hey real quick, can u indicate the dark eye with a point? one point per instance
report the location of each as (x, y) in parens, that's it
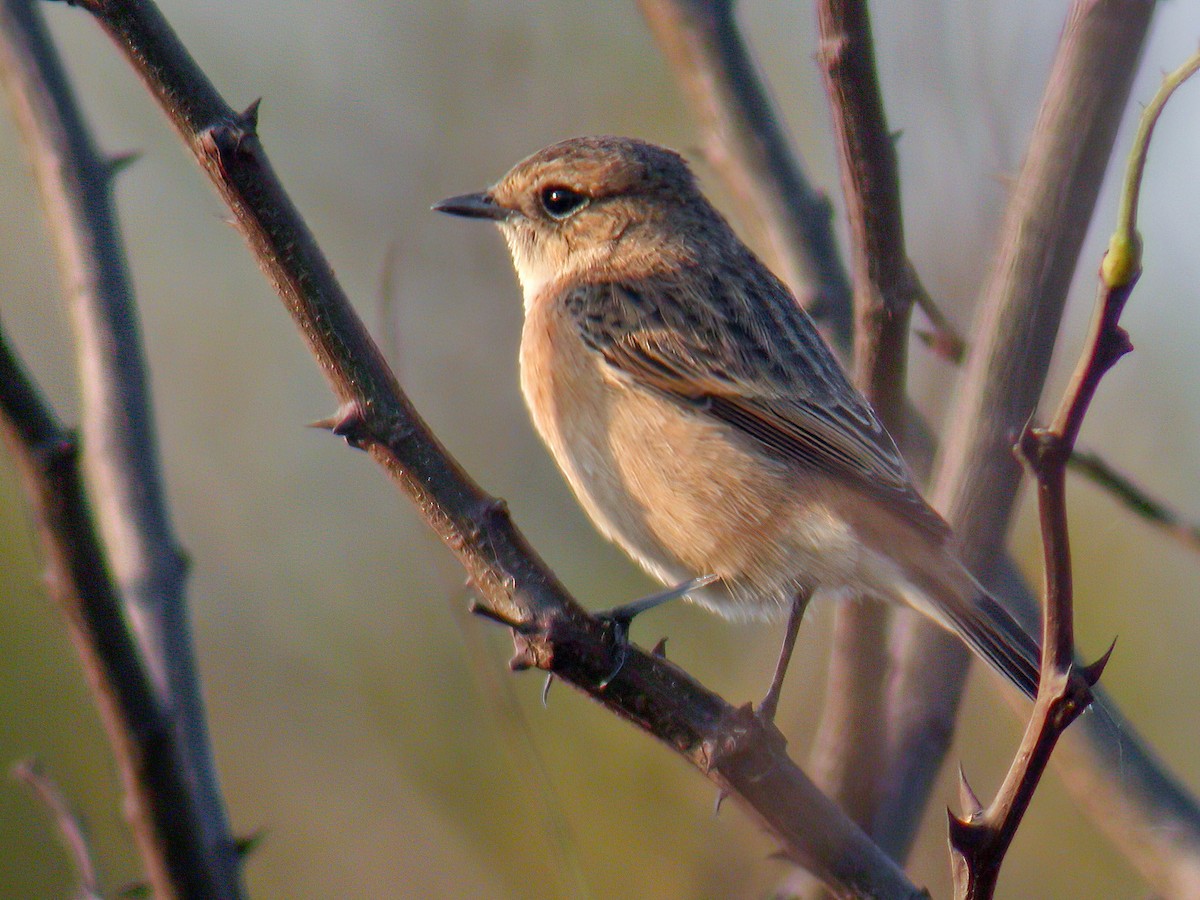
(559, 202)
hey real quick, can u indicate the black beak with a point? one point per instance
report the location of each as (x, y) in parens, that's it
(473, 206)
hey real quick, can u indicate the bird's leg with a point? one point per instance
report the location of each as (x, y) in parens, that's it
(622, 617)
(770, 703)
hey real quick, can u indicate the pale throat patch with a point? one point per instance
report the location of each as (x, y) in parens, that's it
(536, 268)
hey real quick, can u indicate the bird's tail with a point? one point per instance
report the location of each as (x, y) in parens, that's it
(991, 631)
(984, 625)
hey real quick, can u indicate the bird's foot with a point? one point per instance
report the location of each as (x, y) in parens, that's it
(620, 618)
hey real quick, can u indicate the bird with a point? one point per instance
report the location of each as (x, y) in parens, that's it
(698, 415)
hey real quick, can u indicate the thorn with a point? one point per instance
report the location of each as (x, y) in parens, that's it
(960, 830)
(486, 612)
(721, 795)
(1091, 673)
(622, 653)
(246, 845)
(966, 797)
(546, 689)
(522, 660)
(248, 117)
(660, 649)
(348, 422)
(326, 424)
(1124, 343)
(119, 162)
(493, 615)
(896, 135)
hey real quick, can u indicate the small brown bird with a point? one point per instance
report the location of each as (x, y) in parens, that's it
(697, 414)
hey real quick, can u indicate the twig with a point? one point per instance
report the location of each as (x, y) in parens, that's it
(744, 143)
(69, 828)
(120, 454)
(517, 737)
(851, 740)
(1134, 497)
(155, 782)
(1146, 812)
(732, 746)
(979, 843)
(977, 478)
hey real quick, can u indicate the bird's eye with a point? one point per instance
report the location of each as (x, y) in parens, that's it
(559, 202)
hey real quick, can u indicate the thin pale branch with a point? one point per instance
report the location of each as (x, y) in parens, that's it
(120, 453)
(1096, 469)
(732, 746)
(70, 828)
(154, 780)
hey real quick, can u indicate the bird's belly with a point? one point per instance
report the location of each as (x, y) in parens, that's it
(682, 493)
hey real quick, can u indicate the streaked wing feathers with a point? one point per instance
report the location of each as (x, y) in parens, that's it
(769, 375)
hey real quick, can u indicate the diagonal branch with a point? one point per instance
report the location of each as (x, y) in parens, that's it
(744, 143)
(157, 793)
(1096, 469)
(732, 746)
(120, 453)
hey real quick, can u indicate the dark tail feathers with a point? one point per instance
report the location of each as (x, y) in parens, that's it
(991, 631)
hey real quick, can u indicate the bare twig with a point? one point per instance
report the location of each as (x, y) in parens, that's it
(732, 746)
(157, 793)
(120, 454)
(70, 829)
(851, 740)
(979, 843)
(1096, 469)
(1146, 811)
(977, 478)
(744, 143)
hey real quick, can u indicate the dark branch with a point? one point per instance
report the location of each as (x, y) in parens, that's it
(153, 776)
(120, 453)
(976, 481)
(730, 745)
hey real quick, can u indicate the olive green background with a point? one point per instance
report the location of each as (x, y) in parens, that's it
(354, 723)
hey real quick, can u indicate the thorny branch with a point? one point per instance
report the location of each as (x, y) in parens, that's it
(980, 841)
(120, 454)
(732, 746)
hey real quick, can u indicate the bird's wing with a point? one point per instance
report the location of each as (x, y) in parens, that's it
(754, 362)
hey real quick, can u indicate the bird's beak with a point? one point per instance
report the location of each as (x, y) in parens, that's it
(473, 206)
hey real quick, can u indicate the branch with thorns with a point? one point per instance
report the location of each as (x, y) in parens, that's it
(979, 841)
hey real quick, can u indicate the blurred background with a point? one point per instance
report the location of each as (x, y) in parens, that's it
(353, 705)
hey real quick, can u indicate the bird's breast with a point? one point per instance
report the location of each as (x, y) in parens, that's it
(677, 489)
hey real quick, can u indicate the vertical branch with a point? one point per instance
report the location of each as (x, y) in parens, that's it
(852, 737)
(120, 453)
(157, 793)
(979, 842)
(743, 141)
(977, 478)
